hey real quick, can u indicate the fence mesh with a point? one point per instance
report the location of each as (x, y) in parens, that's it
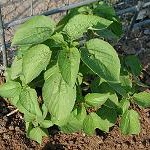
(12, 10)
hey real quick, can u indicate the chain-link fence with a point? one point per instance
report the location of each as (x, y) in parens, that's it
(14, 12)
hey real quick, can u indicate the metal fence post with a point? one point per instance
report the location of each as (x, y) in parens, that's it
(2, 41)
(31, 7)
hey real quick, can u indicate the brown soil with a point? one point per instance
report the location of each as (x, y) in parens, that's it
(12, 136)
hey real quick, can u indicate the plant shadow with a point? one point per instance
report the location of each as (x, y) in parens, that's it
(51, 146)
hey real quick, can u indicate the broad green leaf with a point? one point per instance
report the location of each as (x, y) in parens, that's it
(85, 70)
(108, 35)
(79, 24)
(35, 60)
(46, 123)
(93, 121)
(69, 61)
(34, 31)
(28, 104)
(14, 100)
(51, 72)
(59, 40)
(119, 89)
(37, 133)
(58, 96)
(80, 113)
(80, 78)
(107, 115)
(104, 88)
(27, 115)
(142, 99)
(7, 74)
(126, 82)
(124, 105)
(56, 42)
(54, 56)
(130, 123)
(75, 120)
(101, 57)
(10, 89)
(116, 27)
(22, 49)
(104, 10)
(44, 110)
(84, 10)
(29, 126)
(134, 64)
(125, 85)
(65, 19)
(71, 125)
(16, 68)
(112, 101)
(72, 13)
(96, 99)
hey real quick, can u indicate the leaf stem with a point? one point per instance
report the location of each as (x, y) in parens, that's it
(79, 92)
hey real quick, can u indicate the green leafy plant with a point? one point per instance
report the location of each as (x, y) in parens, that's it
(67, 74)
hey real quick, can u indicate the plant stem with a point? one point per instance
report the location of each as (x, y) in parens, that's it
(79, 92)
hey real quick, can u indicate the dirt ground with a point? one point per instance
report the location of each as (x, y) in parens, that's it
(12, 136)
(12, 129)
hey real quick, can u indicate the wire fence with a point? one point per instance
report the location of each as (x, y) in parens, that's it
(15, 12)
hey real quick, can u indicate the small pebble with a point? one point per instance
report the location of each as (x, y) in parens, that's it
(11, 128)
(5, 136)
(71, 142)
(17, 129)
(5, 118)
(2, 130)
(118, 145)
(141, 146)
